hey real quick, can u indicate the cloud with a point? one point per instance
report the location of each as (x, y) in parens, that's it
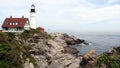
(88, 15)
(55, 1)
(89, 19)
(106, 13)
(66, 14)
(114, 1)
(9, 4)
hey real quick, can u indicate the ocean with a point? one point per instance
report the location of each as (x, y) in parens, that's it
(100, 42)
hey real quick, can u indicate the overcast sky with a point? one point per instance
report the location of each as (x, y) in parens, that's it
(79, 15)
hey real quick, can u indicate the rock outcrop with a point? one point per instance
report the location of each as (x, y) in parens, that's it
(51, 54)
(42, 50)
(88, 60)
(28, 64)
(54, 52)
(70, 40)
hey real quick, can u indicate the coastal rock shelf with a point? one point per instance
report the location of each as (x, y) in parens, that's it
(69, 40)
(55, 52)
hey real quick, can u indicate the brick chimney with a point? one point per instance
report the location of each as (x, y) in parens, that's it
(22, 16)
(10, 16)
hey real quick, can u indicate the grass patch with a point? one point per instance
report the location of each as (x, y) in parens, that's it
(110, 61)
(9, 52)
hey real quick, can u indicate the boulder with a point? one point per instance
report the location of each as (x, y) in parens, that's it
(36, 36)
(71, 50)
(88, 59)
(28, 64)
(90, 64)
(90, 54)
(41, 61)
(79, 41)
(30, 40)
(54, 45)
(60, 41)
(55, 64)
(60, 35)
(110, 51)
(67, 61)
(73, 65)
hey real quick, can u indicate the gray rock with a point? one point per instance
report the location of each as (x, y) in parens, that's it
(71, 50)
(28, 64)
(88, 59)
(90, 54)
(55, 53)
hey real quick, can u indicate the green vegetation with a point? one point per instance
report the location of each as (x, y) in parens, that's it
(26, 55)
(110, 61)
(117, 50)
(11, 50)
(29, 34)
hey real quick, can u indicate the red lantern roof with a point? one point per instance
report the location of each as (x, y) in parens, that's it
(14, 22)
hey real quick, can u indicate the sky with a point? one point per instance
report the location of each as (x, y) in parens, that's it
(67, 15)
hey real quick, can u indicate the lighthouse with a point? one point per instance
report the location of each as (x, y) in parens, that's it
(32, 17)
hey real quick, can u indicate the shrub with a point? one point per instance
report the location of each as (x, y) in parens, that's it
(9, 52)
(110, 61)
(117, 50)
(28, 34)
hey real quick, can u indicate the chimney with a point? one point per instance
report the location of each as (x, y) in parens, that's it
(22, 16)
(10, 16)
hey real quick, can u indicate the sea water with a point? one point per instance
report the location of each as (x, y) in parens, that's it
(97, 41)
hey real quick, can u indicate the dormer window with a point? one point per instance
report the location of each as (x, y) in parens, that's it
(13, 23)
(10, 23)
(16, 23)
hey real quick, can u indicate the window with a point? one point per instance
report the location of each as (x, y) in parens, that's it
(13, 23)
(10, 23)
(16, 23)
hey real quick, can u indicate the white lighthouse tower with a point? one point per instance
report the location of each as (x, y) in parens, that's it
(32, 17)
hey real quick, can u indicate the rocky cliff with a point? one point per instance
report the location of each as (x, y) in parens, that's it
(54, 52)
(34, 49)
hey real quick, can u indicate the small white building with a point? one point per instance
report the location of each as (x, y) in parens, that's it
(19, 24)
(15, 24)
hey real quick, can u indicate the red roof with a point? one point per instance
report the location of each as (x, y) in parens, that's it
(14, 22)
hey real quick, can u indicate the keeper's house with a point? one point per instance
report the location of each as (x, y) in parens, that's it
(15, 24)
